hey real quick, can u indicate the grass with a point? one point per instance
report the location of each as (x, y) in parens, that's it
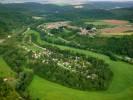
(109, 34)
(5, 70)
(98, 22)
(45, 90)
(121, 87)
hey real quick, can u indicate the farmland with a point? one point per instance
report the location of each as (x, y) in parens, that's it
(113, 27)
(116, 22)
(122, 28)
(118, 31)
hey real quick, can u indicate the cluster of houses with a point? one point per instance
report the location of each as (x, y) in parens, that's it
(79, 66)
(57, 25)
(36, 17)
(54, 25)
(25, 48)
(38, 54)
(74, 65)
(91, 32)
(71, 63)
(128, 59)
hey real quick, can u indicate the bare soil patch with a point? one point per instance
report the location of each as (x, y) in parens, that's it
(116, 22)
(121, 30)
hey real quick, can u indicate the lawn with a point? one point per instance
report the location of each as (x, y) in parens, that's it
(97, 22)
(5, 70)
(121, 87)
(108, 22)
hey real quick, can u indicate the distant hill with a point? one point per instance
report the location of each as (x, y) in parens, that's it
(14, 15)
(108, 5)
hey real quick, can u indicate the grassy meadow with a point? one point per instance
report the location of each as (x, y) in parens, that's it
(5, 70)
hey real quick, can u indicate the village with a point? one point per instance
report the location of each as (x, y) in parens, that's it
(67, 24)
(74, 64)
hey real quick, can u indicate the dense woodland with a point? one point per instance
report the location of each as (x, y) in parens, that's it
(122, 45)
(23, 77)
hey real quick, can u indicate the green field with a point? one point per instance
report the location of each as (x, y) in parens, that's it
(120, 89)
(96, 22)
(5, 70)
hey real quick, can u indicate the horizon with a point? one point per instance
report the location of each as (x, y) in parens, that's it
(61, 1)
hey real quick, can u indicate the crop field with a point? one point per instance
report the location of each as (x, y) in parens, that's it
(113, 27)
(122, 28)
(108, 22)
(117, 31)
(97, 22)
(116, 22)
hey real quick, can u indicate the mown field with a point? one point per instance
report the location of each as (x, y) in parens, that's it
(5, 70)
(120, 89)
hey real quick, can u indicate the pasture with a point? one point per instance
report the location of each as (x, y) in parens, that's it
(5, 70)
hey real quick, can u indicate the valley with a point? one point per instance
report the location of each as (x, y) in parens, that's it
(65, 55)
